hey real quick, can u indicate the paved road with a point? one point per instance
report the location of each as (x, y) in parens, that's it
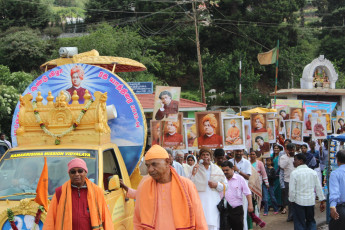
(278, 222)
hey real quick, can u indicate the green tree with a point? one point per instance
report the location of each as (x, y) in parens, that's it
(23, 50)
(31, 13)
(11, 86)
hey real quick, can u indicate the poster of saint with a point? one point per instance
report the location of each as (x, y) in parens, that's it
(340, 122)
(296, 114)
(258, 122)
(297, 132)
(318, 125)
(287, 128)
(247, 133)
(166, 103)
(173, 134)
(261, 144)
(277, 125)
(233, 133)
(283, 112)
(209, 129)
(190, 134)
(307, 123)
(156, 134)
(328, 122)
(271, 131)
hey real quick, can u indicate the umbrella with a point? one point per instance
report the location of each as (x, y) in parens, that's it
(114, 64)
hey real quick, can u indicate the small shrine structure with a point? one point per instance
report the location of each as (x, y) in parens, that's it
(318, 83)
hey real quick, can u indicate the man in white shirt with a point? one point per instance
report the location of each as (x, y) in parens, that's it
(177, 166)
(243, 168)
(286, 163)
(303, 184)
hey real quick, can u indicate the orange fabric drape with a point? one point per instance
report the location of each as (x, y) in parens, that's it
(184, 216)
(59, 215)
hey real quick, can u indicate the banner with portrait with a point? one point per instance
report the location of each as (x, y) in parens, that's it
(126, 118)
(271, 131)
(190, 135)
(319, 106)
(318, 125)
(156, 134)
(284, 114)
(261, 144)
(328, 122)
(297, 132)
(296, 114)
(209, 129)
(287, 129)
(166, 104)
(233, 133)
(340, 122)
(307, 123)
(258, 122)
(173, 134)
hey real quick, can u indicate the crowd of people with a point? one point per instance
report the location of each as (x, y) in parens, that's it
(288, 182)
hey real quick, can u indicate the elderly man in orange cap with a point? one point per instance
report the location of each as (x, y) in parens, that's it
(78, 203)
(165, 200)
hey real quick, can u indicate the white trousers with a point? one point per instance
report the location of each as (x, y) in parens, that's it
(245, 212)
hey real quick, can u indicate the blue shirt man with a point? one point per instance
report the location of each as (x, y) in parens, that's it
(336, 193)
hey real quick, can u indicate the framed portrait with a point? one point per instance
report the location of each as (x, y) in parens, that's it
(233, 133)
(166, 103)
(247, 134)
(318, 125)
(156, 132)
(261, 144)
(284, 112)
(258, 122)
(271, 131)
(297, 114)
(307, 123)
(173, 134)
(297, 132)
(328, 122)
(340, 122)
(190, 135)
(287, 128)
(209, 129)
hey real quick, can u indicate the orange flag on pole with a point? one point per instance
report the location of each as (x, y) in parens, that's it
(42, 187)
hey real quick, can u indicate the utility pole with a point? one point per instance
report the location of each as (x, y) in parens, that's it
(201, 78)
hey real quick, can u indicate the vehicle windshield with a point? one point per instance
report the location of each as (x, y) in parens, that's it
(21, 170)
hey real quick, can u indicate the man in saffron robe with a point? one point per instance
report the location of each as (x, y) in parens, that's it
(77, 76)
(78, 203)
(165, 200)
(319, 129)
(210, 139)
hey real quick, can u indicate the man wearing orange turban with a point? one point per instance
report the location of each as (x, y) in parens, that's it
(77, 76)
(210, 139)
(165, 200)
(172, 138)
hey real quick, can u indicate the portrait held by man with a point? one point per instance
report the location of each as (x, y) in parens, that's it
(166, 103)
(297, 114)
(172, 134)
(209, 129)
(259, 122)
(233, 131)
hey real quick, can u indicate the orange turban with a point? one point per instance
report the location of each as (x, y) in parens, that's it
(210, 118)
(156, 152)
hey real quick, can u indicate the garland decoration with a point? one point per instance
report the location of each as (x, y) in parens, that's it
(10, 216)
(38, 215)
(67, 131)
